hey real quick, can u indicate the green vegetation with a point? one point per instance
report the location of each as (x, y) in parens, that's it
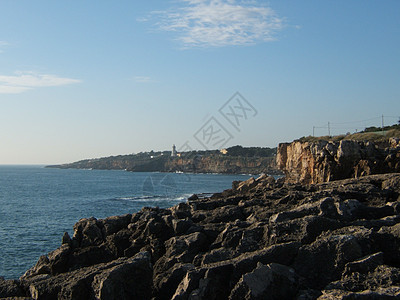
(385, 128)
(251, 151)
(373, 134)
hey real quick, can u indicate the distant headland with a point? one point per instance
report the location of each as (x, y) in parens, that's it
(233, 160)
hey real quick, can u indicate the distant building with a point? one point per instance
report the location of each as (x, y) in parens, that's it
(173, 154)
(223, 151)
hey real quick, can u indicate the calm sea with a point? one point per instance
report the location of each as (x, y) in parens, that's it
(37, 204)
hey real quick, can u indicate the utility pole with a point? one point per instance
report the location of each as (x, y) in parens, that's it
(329, 129)
(313, 129)
(383, 133)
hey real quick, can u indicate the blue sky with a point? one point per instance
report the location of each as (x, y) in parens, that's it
(85, 79)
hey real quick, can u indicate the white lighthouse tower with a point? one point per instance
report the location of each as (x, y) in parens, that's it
(173, 154)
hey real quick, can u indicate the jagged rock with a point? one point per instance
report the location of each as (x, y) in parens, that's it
(188, 284)
(369, 278)
(348, 208)
(216, 255)
(181, 226)
(328, 256)
(130, 280)
(124, 278)
(118, 242)
(182, 210)
(304, 230)
(88, 256)
(87, 232)
(193, 197)
(115, 223)
(244, 186)
(186, 247)
(54, 263)
(166, 285)
(66, 239)
(365, 264)
(273, 281)
(378, 294)
(325, 206)
(11, 287)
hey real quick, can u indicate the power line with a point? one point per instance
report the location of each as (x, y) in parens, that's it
(356, 124)
(353, 122)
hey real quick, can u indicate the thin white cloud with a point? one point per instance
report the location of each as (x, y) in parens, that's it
(24, 81)
(142, 79)
(7, 89)
(219, 23)
(2, 45)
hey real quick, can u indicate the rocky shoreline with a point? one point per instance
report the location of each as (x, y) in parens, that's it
(262, 239)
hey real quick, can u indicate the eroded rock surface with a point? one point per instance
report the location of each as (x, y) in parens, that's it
(262, 239)
(316, 162)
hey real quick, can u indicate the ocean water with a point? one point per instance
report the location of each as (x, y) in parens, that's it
(37, 204)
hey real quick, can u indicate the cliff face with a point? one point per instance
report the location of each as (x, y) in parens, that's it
(316, 162)
(223, 164)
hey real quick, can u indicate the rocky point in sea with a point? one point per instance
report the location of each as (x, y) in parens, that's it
(262, 239)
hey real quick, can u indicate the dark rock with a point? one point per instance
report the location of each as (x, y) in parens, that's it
(304, 230)
(167, 283)
(245, 186)
(66, 239)
(124, 278)
(378, 294)
(118, 242)
(273, 281)
(188, 284)
(130, 280)
(328, 256)
(217, 255)
(185, 248)
(11, 288)
(368, 279)
(365, 264)
(193, 197)
(87, 232)
(215, 283)
(113, 224)
(55, 262)
(88, 256)
(181, 226)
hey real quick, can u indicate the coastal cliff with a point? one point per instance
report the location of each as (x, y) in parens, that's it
(223, 164)
(262, 239)
(323, 161)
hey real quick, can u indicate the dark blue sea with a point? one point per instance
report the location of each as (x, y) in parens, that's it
(37, 204)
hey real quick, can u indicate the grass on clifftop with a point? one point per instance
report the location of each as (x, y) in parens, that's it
(377, 136)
